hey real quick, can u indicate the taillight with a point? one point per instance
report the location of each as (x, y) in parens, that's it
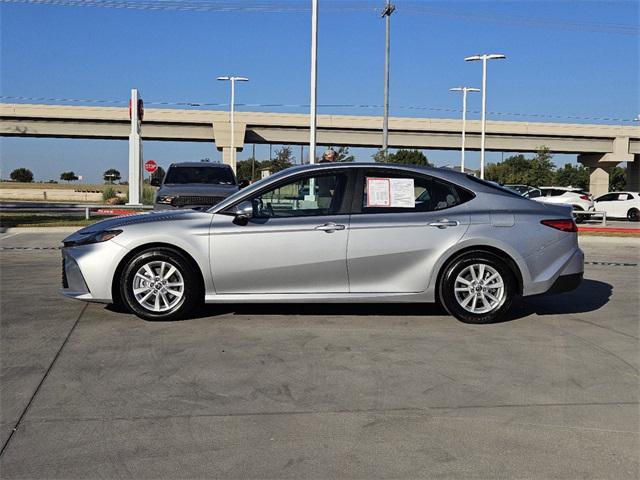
(566, 225)
(585, 197)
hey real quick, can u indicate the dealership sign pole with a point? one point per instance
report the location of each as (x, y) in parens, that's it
(135, 149)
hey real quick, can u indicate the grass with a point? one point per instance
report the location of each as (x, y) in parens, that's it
(64, 186)
(11, 219)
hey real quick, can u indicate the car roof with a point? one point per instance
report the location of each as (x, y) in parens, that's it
(200, 164)
(566, 189)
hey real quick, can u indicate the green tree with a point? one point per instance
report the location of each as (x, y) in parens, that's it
(542, 169)
(111, 175)
(617, 179)
(284, 159)
(378, 157)
(409, 157)
(248, 169)
(68, 177)
(574, 176)
(22, 175)
(342, 155)
(517, 169)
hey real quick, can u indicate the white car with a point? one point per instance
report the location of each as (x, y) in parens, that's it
(578, 199)
(620, 205)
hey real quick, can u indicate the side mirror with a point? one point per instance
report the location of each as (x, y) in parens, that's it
(155, 181)
(242, 184)
(243, 211)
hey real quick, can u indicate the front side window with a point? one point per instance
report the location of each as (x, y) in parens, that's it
(391, 192)
(305, 197)
(608, 197)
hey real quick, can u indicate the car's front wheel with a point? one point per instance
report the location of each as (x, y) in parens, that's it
(477, 287)
(159, 284)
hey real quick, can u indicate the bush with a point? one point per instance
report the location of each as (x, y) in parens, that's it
(109, 193)
(148, 195)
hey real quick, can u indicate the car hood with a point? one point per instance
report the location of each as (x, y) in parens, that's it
(126, 220)
(197, 189)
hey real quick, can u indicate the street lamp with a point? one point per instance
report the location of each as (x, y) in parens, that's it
(386, 13)
(464, 91)
(233, 81)
(313, 116)
(484, 58)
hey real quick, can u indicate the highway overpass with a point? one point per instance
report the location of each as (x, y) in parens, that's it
(597, 146)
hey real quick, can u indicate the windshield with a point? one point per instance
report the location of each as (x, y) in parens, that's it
(208, 175)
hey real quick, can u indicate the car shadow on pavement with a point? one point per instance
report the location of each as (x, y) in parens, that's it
(590, 296)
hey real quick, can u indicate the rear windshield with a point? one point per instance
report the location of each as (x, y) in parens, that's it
(208, 175)
(494, 186)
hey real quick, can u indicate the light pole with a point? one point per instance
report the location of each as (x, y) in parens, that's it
(233, 81)
(386, 13)
(464, 91)
(314, 81)
(484, 58)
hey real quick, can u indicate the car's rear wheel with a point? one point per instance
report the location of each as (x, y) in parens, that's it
(633, 215)
(159, 284)
(477, 287)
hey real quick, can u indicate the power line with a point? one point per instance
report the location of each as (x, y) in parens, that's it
(195, 104)
(279, 6)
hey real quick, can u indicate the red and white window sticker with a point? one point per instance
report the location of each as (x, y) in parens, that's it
(390, 192)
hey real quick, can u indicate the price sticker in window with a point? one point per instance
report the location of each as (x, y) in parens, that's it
(378, 192)
(390, 192)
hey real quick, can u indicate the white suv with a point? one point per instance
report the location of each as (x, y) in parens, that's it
(578, 199)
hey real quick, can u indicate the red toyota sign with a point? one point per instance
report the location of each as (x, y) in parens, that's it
(150, 166)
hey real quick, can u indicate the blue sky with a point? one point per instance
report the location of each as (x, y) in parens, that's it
(565, 58)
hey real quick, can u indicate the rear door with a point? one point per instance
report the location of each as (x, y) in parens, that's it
(393, 247)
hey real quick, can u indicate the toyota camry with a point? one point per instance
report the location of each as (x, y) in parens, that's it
(333, 233)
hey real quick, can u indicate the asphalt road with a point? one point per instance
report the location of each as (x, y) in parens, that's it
(317, 391)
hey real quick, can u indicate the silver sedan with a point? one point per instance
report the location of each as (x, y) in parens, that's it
(333, 233)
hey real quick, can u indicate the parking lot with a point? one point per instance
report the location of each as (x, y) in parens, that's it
(320, 391)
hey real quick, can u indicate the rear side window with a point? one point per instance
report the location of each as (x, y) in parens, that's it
(393, 192)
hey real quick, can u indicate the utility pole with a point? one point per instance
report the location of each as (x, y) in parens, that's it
(314, 81)
(386, 14)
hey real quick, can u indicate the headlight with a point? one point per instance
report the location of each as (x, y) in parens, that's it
(92, 237)
(165, 199)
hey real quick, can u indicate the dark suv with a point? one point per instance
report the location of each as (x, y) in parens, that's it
(195, 185)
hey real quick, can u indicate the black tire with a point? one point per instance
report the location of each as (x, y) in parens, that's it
(577, 217)
(633, 215)
(451, 303)
(191, 291)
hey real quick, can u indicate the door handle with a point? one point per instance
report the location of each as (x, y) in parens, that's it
(330, 227)
(444, 223)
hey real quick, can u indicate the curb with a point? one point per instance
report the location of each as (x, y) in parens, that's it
(609, 230)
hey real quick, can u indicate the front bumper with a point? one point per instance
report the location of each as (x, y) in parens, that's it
(88, 270)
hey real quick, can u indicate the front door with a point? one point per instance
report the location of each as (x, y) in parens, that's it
(296, 241)
(394, 248)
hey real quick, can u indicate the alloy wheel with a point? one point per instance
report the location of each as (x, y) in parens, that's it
(158, 286)
(479, 288)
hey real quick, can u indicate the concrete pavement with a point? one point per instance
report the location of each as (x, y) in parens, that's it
(317, 391)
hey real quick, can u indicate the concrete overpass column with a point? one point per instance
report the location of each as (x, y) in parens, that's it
(633, 174)
(222, 136)
(599, 181)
